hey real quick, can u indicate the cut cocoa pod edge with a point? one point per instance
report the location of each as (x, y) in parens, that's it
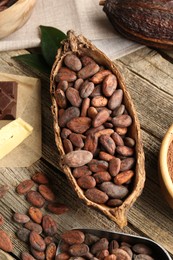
(97, 131)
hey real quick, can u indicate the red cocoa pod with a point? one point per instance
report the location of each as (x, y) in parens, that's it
(76, 140)
(68, 114)
(91, 143)
(65, 74)
(77, 158)
(5, 242)
(86, 89)
(124, 150)
(62, 256)
(118, 110)
(114, 203)
(100, 118)
(49, 225)
(98, 165)
(108, 144)
(105, 156)
(78, 249)
(96, 195)
(33, 227)
(127, 164)
(73, 237)
(116, 99)
(72, 62)
(39, 255)
(86, 182)
(46, 192)
(100, 76)
(86, 60)
(65, 132)
(122, 121)
(1, 220)
(60, 98)
(114, 166)
(50, 251)
(23, 234)
(114, 191)
(123, 177)
(81, 171)
(88, 71)
(24, 187)
(35, 214)
(57, 208)
(79, 125)
(117, 139)
(101, 244)
(97, 91)
(63, 85)
(94, 130)
(67, 145)
(73, 97)
(140, 248)
(104, 132)
(121, 130)
(78, 83)
(26, 256)
(109, 85)
(20, 218)
(35, 198)
(121, 254)
(40, 178)
(36, 241)
(3, 190)
(85, 106)
(99, 101)
(102, 176)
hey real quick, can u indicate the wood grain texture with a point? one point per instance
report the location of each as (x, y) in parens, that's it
(150, 82)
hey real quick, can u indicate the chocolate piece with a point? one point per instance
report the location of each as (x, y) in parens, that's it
(8, 100)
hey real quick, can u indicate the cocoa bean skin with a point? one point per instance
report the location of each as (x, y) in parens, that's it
(77, 158)
(96, 195)
(114, 191)
(73, 62)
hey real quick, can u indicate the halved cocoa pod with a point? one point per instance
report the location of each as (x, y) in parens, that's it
(68, 163)
(143, 21)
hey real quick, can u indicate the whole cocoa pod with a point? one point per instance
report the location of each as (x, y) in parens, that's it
(146, 21)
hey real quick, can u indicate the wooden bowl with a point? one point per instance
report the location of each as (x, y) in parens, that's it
(15, 16)
(164, 174)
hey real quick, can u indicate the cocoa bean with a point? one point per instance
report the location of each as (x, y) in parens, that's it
(99, 101)
(140, 248)
(40, 177)
(76, 140)
(35, 198)
(96, 195)
(35, 214)
(110, 257)
(108, 144)
(121, 254)
(100, 76)
(116, 99)
(108, 125)
(122, 121)
(57, 208)
(114, 166)
(104, 132)
(60, 98)
(128, 141)
(24, 187)
(65, 132)
(90, 239)
(128, 250)
(102, 254)
(63, 256)
(49, 225)
(118, 110)
(86, 182)
(97, 165)
(143, 257)
(46, 192)
(79, 124)
(117, 139)
(20, 218)
(5, 242)
(39, 255)
(101, 244)
(23, 234)
(65, 74)
(96, 91)
(114, 191)
(73, 62)
(88, 71)
(100, 118)
(105, 156)
(124, 150)
(123, 177)
(121, 130)
(109, 85)
(50, 251)
(33, 227)
(63, 85)
(114, 203)
(26, 256)
(77, 158)
(94, 130)
(78, 250)
(78, 83)
(102, 177)
(81, 171)
(85, 107)
(67, 145)
(73, 97)
(68, 114)
(91, 143)
(86, 60)
(73, 237)
(86, 89)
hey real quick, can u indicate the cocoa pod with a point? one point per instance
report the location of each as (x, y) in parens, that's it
(149, 23)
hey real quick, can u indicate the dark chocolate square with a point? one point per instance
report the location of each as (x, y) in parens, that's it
(8, 100)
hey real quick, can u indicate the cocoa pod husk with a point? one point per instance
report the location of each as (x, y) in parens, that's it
(147, 22)
(82, 47)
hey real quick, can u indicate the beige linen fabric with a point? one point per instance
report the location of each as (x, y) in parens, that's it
(83, 16)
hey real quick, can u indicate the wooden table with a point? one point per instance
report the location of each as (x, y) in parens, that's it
(149, 79)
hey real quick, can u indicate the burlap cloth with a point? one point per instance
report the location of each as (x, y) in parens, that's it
(83, 16)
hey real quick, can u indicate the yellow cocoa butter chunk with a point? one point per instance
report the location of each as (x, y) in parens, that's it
(12, 134)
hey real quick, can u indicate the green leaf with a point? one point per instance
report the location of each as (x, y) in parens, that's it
(35, 61)
(50, 42)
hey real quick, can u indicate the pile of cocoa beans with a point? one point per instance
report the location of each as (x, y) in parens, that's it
(78, 245)
(4, 4)
(94, 124)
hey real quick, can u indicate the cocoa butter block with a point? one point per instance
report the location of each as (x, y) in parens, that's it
(8, 100)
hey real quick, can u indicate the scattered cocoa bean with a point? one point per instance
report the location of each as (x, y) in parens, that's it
(49, 225)
(35, 198)
(46, 192)
(5, 242)
(50, 251)
(24, 187)
(23, 234)
(57, 208)
(20, 218)
(40, 178)
(33, 227)
(35, 214)
(36, 241)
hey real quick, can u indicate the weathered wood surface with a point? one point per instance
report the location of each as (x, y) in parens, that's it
(150, 82)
